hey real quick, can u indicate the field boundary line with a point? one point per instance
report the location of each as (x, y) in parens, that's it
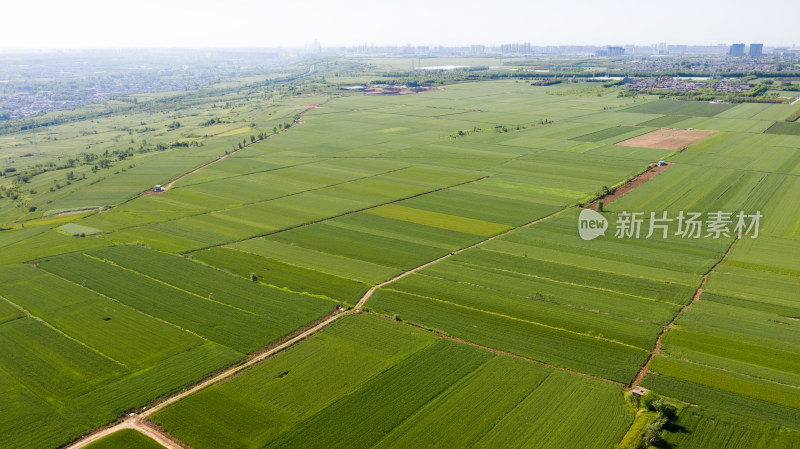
(117, 301)
(279, 197)
(522, 399)
(522, 320)
(575, 284)
(266, 170)
(742, 376)
(277, 287)
(44, 322)
(228, 273)
(369, 292)
(263, 355)
(344, 214)
(518, 295)
(743, 169)
(556, 281)
(314, 189)
(137, 421)
(167, 284)
(574, 265)
(220, 158)
(423, 410)
(657, 347)
(441, 334)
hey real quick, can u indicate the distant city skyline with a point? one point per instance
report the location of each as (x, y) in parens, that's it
(50, 24)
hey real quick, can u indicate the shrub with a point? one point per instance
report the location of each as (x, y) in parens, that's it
(646, 401)
(652, 436)
(632, 399)
(664, 409)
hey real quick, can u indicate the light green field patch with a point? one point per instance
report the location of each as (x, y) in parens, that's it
(235, 131)
(317, 260)
(609, 133)
(75, 229)
(439, 220)
(602, 419)
(742, 385)
(393, 130)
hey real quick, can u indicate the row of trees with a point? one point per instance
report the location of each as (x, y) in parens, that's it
(658, 412)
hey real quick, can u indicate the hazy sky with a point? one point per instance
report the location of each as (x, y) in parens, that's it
(30, 24)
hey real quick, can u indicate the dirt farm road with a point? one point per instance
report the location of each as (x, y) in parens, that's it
(635, 182)
(657, 348)
(139, 422)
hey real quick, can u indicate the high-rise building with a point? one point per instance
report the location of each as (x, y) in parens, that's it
(676, 49)
(519, 49)
(756, 50)
(736, 50)
(477, 49)
(616, 51)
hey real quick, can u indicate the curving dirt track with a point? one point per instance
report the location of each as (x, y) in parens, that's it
(657, 348)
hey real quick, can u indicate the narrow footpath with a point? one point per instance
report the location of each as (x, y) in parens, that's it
(657, 348)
